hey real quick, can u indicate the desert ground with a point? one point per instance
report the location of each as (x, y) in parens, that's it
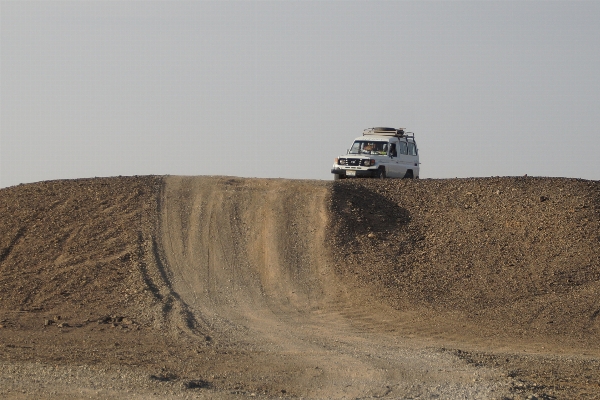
(215, 287)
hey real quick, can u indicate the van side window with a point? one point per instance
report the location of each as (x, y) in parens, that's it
(393, 152)
(403, 148)
(412, 149)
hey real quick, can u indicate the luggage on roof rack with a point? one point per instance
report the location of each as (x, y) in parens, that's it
(383, 131)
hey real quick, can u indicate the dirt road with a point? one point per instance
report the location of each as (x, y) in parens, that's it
(220, 287)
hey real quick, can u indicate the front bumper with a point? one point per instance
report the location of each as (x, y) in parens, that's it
(360, 173)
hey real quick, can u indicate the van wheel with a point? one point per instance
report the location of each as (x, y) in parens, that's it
(381, 173)
(409, 174)
(337, 177)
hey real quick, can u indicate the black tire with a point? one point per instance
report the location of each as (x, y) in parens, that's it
(409, 174)
(381, 173)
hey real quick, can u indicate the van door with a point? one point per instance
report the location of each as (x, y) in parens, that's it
(392, 163)
(414, 158)
(404, 160)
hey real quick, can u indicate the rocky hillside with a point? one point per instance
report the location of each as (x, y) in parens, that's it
(517, 256)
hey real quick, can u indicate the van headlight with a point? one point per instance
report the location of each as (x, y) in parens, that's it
(368, 162)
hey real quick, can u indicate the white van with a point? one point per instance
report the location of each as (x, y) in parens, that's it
(380, 153)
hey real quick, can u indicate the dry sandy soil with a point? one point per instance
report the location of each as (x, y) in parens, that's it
(220, 287)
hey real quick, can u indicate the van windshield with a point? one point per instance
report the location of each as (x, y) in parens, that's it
(366, 147)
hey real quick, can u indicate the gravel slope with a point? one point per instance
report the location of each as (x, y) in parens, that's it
(208, 287)
(519, 255)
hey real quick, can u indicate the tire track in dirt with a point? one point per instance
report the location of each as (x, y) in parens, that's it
(250, 258)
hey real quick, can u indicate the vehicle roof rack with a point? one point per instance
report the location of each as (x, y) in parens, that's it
(382, 131)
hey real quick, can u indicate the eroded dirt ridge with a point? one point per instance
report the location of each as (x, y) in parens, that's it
(227, 287)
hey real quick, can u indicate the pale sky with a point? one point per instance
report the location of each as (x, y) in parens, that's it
(278, 89)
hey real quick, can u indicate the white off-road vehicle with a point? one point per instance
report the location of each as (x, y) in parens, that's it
(380, 153)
